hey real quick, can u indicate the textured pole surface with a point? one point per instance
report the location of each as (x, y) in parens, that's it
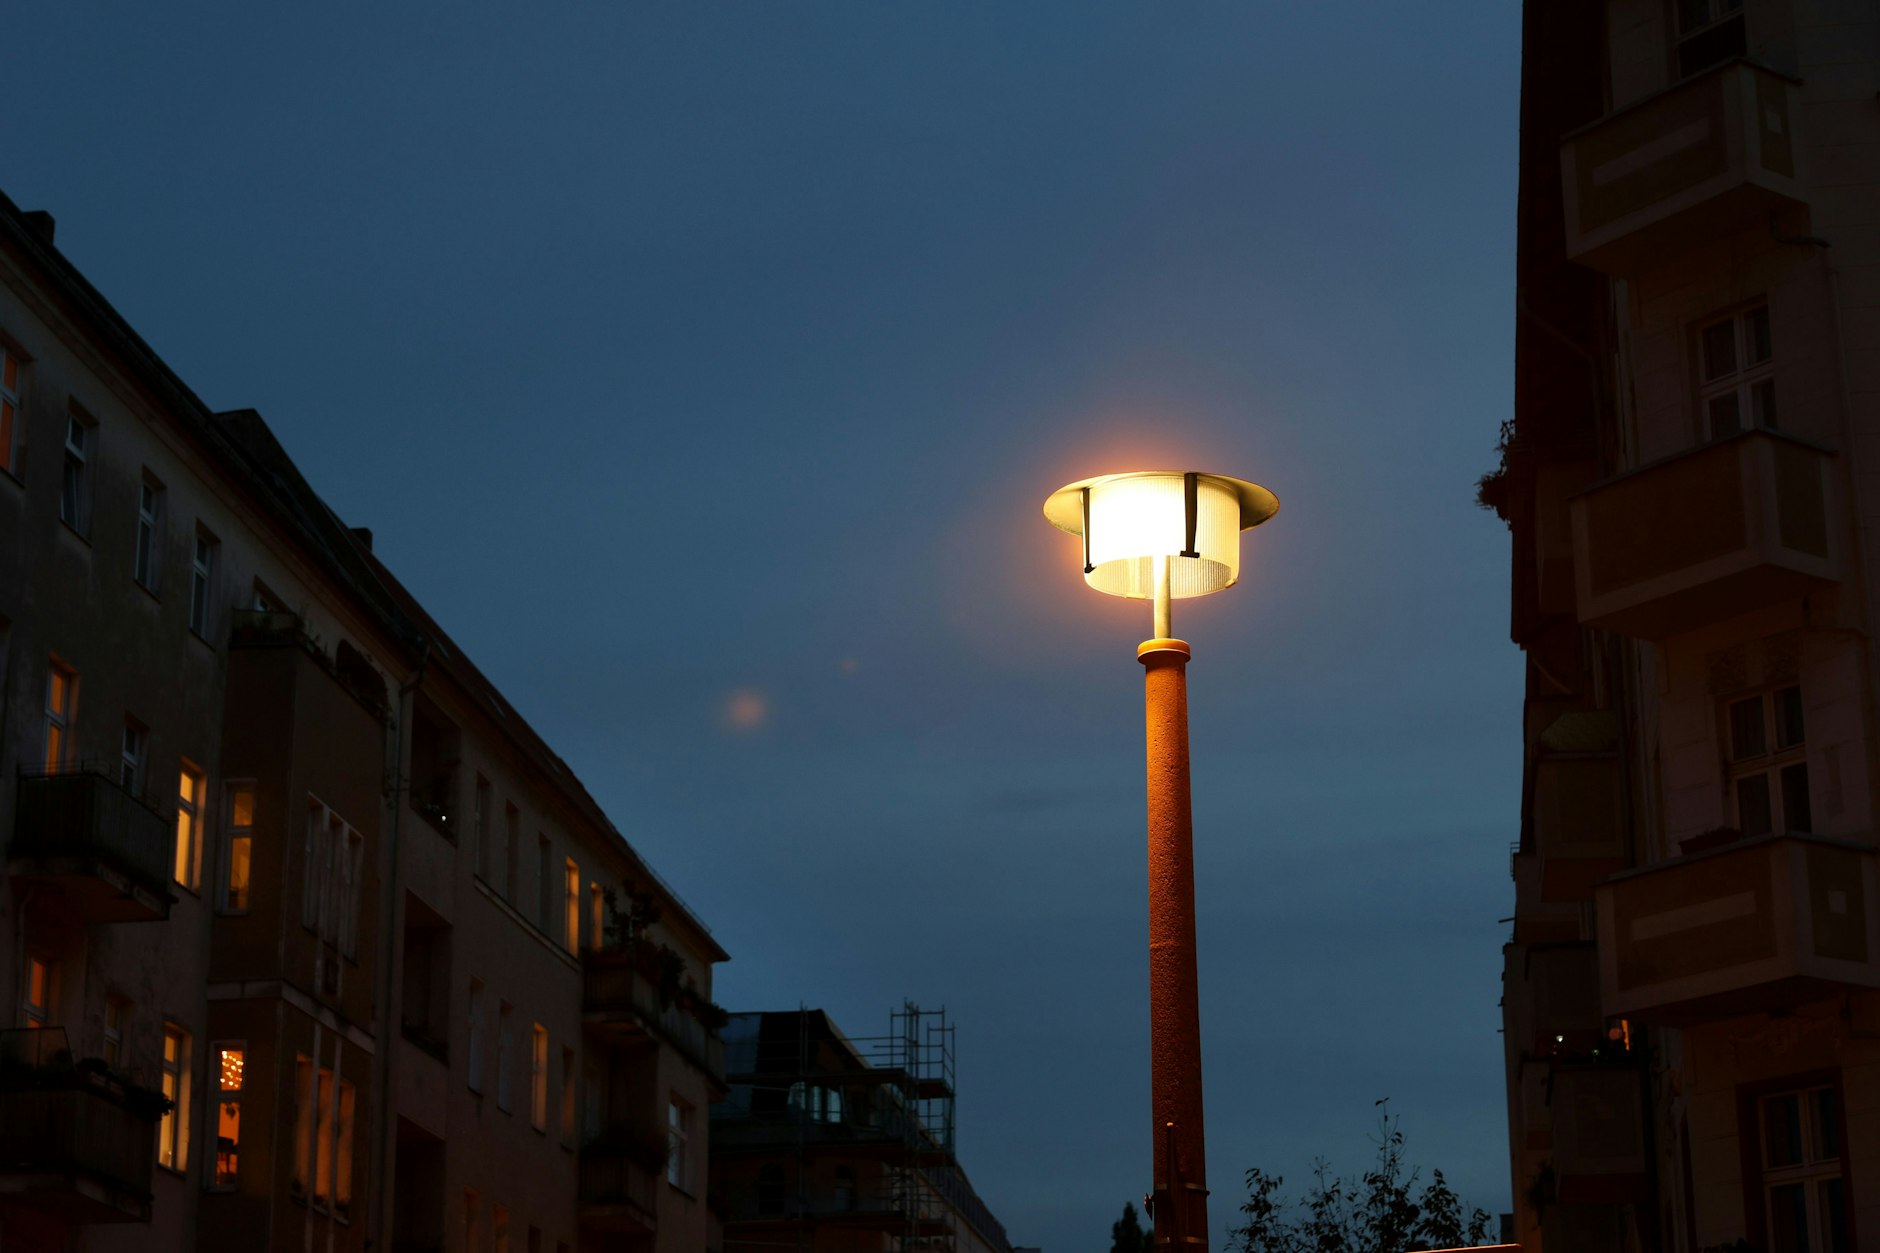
(1181, 1194)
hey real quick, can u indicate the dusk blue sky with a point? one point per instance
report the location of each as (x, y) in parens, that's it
(703, 368)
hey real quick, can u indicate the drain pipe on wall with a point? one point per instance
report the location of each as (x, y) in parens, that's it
(382, 1061)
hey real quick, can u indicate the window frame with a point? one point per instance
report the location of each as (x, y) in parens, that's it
(147, 549)
(60, 715)
(1773, 763)
(538, 1078)
(679, 1134)
(173, 1139)
(571, 905)
(226, 1097)
(1742, 381)
(38, 1014)
(78, 471)
(505, 1060)
(134, 757)
(202, 562)
(186, 855)
(1751, 1142)
(474, 1078)
(1683, 37)
(13, 365)
(236, 834)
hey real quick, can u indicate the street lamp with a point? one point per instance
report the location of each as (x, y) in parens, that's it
(1165, 536)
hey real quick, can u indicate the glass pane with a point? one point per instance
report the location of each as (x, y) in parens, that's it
(1788, 704)
(1753, 816)
(1796, 815)
(1788, 1220)
(1782, 1130)
(1762, 405)
(1827, 1139)
(242, 807)
(1833, 1217)
(1747, 738)
(229, 1062)
(1726, 416)
(238, 860)
(228, 1135)
(1719, 347)
(1756, 334)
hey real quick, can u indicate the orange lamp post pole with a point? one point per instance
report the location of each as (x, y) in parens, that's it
(1158, 536)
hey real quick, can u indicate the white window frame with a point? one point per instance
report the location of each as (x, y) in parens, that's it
(1772, 763)
(226, 1096)
(238, 835)
(173, 1130)
(12, 421)
(133, 757)
(186, 869)
(1746, 384)
(75, 482)
(61, 681)
(1810, 1172)
(147, 555)
(201, 581)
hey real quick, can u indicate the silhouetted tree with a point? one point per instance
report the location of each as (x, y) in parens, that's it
(1127, 1235)
(1381, 1213)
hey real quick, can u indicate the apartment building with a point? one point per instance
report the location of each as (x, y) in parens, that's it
(1692, 1028)
(843, 1144)
(310, 940)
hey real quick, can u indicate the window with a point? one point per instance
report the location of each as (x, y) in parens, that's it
(352, 869)
(845, 1188)
(75, 487)
(173, 1131)
(538, 1078)
(512, 850)
(1709, 31)
(228, 1119)
(1768, 763)
(475, 1078)
(1736, 385)
(593, 1103)
(116, 1011)
(472, 1205)
(678, 1136)
(499, 1223)
(567, 1098)
(571, 905)
(323, 1128)
(1803, 1194)
(201, 581)
(11, 425)
(505, 1083)
(147, 557)
(188, 823)
(61, 705)
(335, 867)
(36, 1003)
(544, 881)
(131, 764)
(480, 822)
(596, 903)
(241, 842)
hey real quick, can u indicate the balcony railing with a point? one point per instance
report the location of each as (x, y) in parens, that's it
(617, 1190)
(1554, 996)
(617, 993)
(106, 850)
(78, 1139)
(1704, 536)
(1681, 168)
(1764, 924)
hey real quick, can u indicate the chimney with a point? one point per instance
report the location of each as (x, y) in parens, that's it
(364, 535)
(40, 223)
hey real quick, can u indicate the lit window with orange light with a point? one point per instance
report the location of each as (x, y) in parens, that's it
(229, 1063)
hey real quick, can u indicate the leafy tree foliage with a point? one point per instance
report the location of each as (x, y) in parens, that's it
(1382, 1212)
(1127, 1235)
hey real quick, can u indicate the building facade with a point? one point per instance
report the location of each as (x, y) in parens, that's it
(309, 939)
(843, 1144)
(1692, 1026)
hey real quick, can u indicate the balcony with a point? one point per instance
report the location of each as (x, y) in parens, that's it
(619, 1185)
(106, 851)
(622, 1002)
(1701, 537)
(79, 1140)
(1763, 924)
(1599, 1135)
(1578, 824)
(1681, 168)
(1554, 991)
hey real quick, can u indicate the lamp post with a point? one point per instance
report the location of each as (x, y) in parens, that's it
(1164, 536)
